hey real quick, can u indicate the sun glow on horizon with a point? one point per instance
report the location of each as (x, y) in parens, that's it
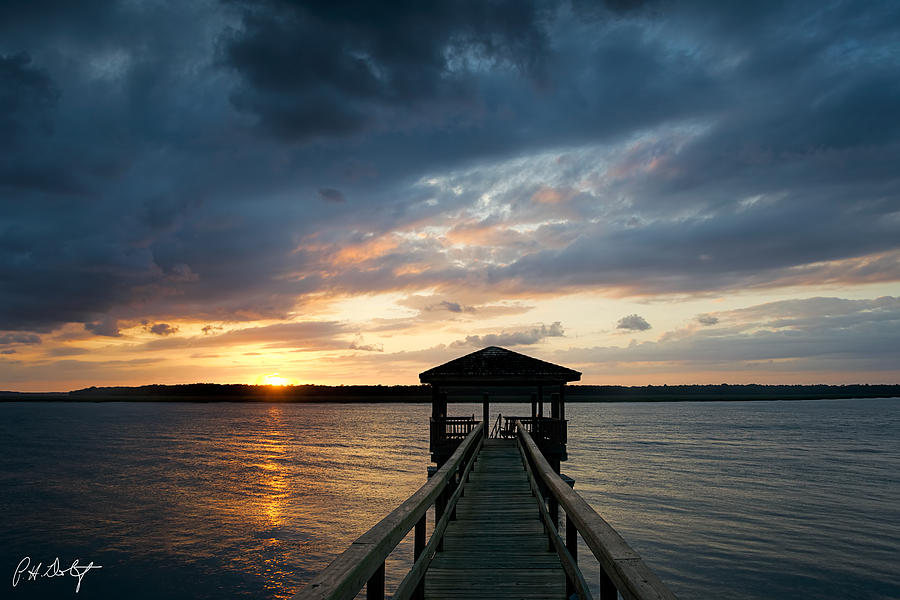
(272, 379)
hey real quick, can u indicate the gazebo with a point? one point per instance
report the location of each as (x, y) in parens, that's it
(499, 367)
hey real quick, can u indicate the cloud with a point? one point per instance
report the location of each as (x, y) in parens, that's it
(322, 70)
(107, 327)
(524, 337)
(163, 329)
(707, 319)
(27, 95)
(67, 351)
(811, 334)
(454, 307)
(633, 323)
(494, 154)
(359, 344)
(307, 335)
(331, 195)
(19, 338)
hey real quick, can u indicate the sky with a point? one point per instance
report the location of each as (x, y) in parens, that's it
(354, 192)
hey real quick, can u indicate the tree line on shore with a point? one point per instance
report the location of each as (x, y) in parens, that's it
(213, 392)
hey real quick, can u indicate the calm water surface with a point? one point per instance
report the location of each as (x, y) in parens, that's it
(726, 500)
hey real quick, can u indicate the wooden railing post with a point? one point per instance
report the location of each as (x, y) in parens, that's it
(375, 585)
(572, 547)
(608, 589)
(439, 505)
(418, 548)
(554, 515)
(452, 488)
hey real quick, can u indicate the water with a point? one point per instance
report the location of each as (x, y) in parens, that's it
(726, 500)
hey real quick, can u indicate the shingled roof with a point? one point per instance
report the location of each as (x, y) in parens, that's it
(498, 366)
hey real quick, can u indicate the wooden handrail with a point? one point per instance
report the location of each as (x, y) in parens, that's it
(364, 560)
(623, 567)
(413, 579)
(569, 562)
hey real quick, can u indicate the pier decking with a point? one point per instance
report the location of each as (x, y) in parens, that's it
(496, 547)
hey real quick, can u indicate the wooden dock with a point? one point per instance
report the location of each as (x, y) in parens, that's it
(497, 505)
(496, 509)
(496, 546)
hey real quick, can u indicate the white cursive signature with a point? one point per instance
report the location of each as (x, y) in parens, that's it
(52, 570)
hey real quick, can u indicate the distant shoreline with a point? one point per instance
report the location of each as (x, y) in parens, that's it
(413, 394)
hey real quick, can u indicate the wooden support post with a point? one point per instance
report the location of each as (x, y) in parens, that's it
(554, 406)
(533, 405)
(572, 547)
(608, 589)
(375, 585)
(418, 549)
(562, 401)
(553, 509)
(486, 413)
(435, 401)
(541, 397)
(540, 401)
(419, 545)
(449, 492)
(440, 504)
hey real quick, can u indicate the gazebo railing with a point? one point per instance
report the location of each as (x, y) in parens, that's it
(451, 429)
(543, 430)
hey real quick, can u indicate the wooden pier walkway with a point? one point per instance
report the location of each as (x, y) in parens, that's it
(496, 547)
(498, 500)
(491, 536)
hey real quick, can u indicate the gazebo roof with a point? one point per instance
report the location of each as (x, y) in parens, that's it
(498, 366)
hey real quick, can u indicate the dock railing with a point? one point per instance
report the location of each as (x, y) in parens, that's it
(362, 564)
(621, 568)
(543, 430)
(451, 429)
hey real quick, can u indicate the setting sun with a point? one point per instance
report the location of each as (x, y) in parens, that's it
(273, 379)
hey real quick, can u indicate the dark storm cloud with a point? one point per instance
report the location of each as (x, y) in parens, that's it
(171, 160)
(27, 94)
(768, 245)
(317, 69)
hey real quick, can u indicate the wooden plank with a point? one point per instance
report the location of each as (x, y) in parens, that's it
(496, 547)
